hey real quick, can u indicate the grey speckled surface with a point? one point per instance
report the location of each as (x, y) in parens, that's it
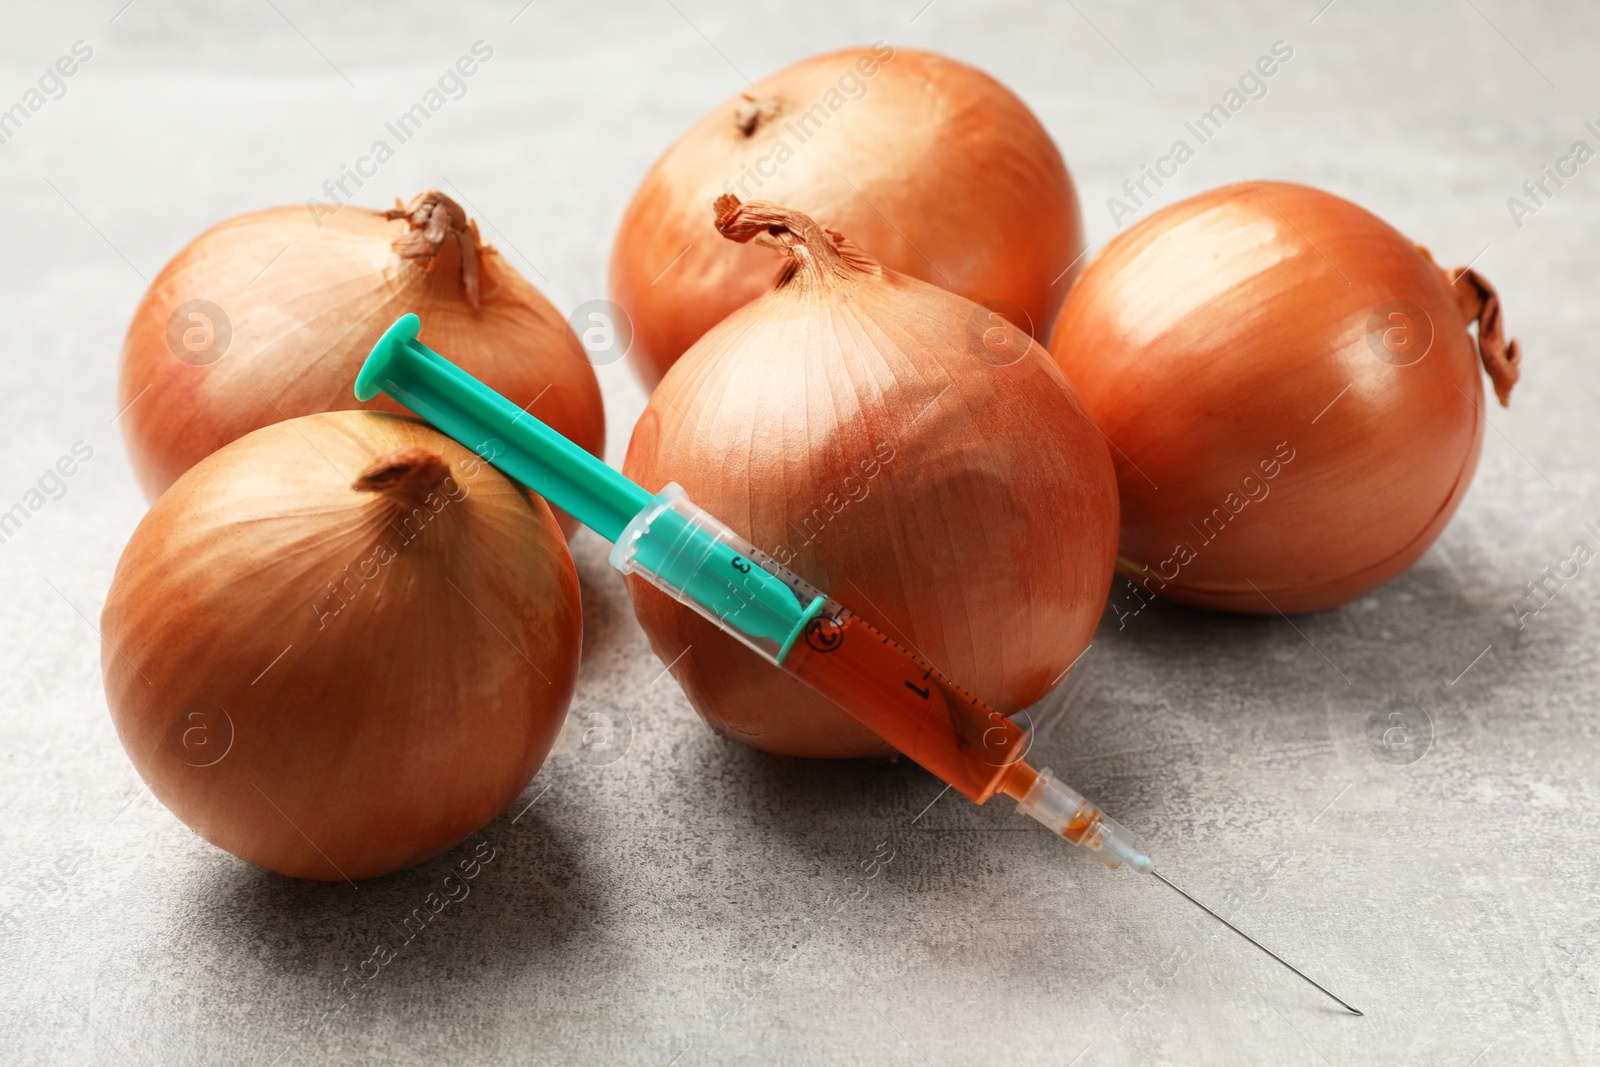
(674, 905)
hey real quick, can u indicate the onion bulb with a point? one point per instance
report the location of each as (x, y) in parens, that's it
(269, 316)
(340, 644)
(931, 166)
(1290, 390)
(898, 446)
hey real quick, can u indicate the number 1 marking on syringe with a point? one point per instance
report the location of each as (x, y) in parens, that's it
(917, 689)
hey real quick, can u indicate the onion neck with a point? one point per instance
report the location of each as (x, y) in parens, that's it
(754, 113)
(407, 477)
(814, 252)
(439, 227)
(1478, 301)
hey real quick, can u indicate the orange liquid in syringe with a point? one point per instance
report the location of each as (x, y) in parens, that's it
(903, 699)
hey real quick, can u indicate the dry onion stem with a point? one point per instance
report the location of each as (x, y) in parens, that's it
(435, 219)
(341, 644)
(1291, 391)
(292, 305)
(853, 423)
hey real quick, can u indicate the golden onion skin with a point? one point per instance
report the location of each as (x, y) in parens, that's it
(1291, 394)
(850, 423)
(334, 723)
(931, 166)
(305, 296)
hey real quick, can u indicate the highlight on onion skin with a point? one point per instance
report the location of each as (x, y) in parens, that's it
(1291, 391)
(897, 446)
(931, 166)
(269, 316)
(341, 644)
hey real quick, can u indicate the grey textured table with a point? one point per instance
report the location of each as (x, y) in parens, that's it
(678, 903)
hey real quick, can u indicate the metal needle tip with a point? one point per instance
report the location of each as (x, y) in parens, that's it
(1257, 944)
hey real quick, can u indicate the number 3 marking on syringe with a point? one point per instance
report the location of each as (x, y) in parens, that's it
(741, 564)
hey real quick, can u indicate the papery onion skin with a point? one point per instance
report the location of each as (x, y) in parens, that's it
(356, 727)
(934, 168)
(1255, 321)
(306, 296)
(849, 423)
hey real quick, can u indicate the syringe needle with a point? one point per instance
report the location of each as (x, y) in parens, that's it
(1256, 943)
(1064, 810)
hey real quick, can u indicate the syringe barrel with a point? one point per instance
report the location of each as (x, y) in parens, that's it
(890, 689)
(699, 561)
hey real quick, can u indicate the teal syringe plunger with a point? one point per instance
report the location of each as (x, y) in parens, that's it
(699, 561)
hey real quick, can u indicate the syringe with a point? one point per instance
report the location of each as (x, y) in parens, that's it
(697, 560)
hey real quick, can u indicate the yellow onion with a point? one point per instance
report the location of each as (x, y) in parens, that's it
(269, 316)
(903, 449)
(933, 167)
(1291, 392)
(341, 644)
